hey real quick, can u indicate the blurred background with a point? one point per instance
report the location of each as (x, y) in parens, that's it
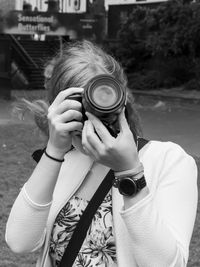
(156, 41)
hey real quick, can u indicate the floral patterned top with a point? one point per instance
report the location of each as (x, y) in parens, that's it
(98, 248)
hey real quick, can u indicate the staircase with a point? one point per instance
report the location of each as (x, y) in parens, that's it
(40, 52)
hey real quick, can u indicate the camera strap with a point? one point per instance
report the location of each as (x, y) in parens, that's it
(84, 223)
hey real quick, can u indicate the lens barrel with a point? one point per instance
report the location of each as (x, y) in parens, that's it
(104, 96)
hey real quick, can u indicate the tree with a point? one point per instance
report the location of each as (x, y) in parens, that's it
(167, 34)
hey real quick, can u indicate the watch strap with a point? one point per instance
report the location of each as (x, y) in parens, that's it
(141, 182)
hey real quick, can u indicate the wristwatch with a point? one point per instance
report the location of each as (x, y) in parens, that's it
(128, 186)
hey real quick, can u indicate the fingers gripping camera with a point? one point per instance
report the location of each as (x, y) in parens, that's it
(104, 97)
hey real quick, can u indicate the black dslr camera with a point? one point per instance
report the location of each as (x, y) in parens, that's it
(105, 97)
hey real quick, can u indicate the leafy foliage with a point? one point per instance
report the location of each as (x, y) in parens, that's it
(160, 39)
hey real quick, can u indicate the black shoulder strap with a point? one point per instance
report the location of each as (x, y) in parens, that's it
(37, 154)
(142, 142)
(81, 229)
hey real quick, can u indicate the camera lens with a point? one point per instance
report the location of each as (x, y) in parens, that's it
(104, 94)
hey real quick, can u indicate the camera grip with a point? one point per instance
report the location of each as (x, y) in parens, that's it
(78, 97)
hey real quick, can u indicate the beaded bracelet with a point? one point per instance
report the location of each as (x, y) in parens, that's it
(55, 159)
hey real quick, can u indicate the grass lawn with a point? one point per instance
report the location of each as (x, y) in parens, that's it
(17, 142)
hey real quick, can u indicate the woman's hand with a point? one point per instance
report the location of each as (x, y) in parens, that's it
(64, 117)
(119, 153)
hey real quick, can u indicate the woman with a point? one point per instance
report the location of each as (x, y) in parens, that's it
(149, 227)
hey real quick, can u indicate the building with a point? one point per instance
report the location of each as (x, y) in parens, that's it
(63, 6)
(7, 5)
(38, 5)
(130, 2)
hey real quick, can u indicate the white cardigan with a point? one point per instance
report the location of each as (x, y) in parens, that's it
(155, 232)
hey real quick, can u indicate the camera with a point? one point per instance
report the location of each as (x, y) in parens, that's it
(104, 97)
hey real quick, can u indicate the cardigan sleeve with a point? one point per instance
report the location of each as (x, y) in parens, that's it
(25, 229)
(161, 224)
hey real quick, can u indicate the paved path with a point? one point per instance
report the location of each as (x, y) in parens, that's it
(178, 123)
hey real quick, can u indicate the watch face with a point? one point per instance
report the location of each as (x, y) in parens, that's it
(127, 187)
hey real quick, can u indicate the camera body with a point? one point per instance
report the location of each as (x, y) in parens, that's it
(104, 97)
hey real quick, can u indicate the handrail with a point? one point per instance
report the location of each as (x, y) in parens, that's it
(23, 52)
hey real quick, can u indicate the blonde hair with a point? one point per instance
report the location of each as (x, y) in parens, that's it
(79, 62)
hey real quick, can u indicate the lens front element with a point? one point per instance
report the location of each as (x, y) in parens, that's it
(105, 96)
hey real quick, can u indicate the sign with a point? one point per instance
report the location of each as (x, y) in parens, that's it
(27, 22)
(76, 26)
(34, 23)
